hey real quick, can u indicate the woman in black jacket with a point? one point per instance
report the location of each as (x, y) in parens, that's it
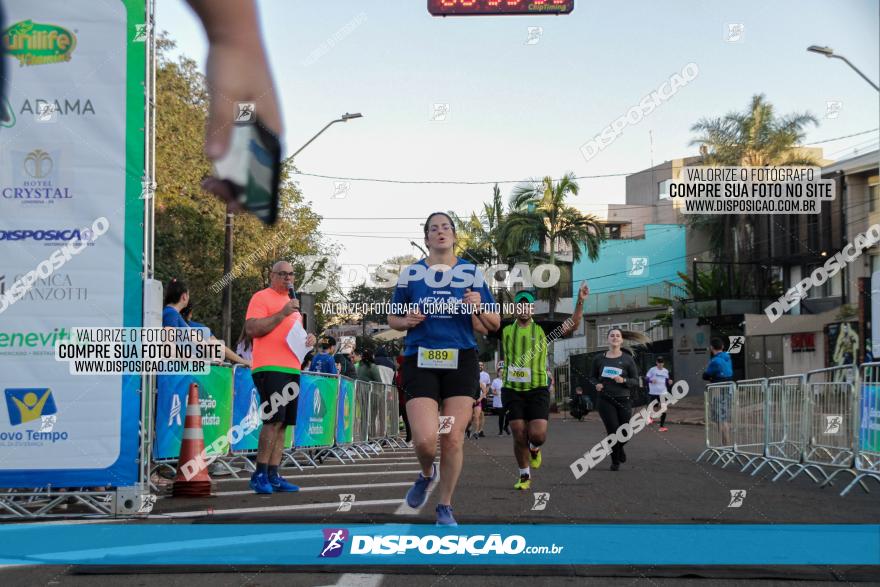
(613, 374)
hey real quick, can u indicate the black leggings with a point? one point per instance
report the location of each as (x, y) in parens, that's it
(405, 422)
(615, 411)
(502, 419)
(663, 417)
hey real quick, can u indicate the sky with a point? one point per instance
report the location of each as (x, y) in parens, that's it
(518, 109)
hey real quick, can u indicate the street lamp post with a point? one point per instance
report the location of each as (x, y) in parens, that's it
(829, 53)
(344, 118)
(227, 256)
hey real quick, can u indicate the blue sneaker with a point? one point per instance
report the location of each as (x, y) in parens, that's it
(418, 493)
(278, 483)
(260, 483)
(444, 515)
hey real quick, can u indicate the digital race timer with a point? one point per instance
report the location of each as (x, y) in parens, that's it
(488, 7)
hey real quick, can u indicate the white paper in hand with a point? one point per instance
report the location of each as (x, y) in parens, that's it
(296, 340)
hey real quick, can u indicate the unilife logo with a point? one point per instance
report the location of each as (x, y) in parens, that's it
(34, 43)
(334, 542)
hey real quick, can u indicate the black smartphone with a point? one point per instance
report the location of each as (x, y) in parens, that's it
(250, 171)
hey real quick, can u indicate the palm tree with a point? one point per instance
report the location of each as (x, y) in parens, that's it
(478, 237)
(756, 137)
(540, 218)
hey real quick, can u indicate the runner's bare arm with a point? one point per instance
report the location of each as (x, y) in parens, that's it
(484, 322)
(570, 326)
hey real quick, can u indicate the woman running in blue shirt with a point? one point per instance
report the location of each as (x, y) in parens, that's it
(437, 302)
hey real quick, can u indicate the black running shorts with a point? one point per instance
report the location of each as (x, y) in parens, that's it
(273, 382)
(438, 384)
(526, 405)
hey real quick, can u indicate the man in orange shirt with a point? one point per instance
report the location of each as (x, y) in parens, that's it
(271, 313)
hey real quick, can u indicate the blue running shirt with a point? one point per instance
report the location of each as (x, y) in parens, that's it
(447, 324)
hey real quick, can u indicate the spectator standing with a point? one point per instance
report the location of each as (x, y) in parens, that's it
(323, 361)
(271, 315)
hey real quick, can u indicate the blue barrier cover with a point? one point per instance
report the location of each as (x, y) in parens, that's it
(400, 544)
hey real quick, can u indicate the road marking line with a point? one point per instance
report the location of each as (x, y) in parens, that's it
(317, 475)
(360, 580)
(274, 508)
(319, 488)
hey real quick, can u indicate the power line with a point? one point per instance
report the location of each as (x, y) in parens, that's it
(864, 132)
(529, 180)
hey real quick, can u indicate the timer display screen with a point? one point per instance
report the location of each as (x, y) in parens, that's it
(489, 7)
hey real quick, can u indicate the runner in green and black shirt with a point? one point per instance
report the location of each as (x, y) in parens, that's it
(525, 394)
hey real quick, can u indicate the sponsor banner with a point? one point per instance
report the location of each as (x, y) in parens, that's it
(316, 410)
(346, 411)
(70, 153)
(245, 407)
(215, 406)
(399, 544)
(869, 435)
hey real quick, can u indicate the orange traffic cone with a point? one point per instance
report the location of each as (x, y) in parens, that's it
(199, 484)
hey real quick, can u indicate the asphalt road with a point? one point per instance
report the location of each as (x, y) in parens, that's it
(660, 483)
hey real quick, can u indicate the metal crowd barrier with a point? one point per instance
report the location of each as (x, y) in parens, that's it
(562, 389)
(830, 424)
(362, 417)
(719, 422)
(749, 419)
(786, 422)
(374, 425)
(822, 424)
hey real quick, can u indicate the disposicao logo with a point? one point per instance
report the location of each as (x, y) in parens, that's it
(334, 542)
(34, 43)
(28, 404)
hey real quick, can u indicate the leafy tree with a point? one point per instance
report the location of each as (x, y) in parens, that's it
(190, 223)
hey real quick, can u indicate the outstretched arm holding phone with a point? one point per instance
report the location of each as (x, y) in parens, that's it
(237, 71)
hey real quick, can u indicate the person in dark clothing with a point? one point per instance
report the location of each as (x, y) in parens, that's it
(346, 367)
(323, 361)
(720, 367)
(383, 359)
(613, 374)
(367, 370)
(401, 398)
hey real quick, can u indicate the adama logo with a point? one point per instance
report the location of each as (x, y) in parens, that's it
(334, 542)
(37, 44)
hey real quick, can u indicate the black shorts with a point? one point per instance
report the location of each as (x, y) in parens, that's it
(439, 384)
(526, 405)
(271, 382)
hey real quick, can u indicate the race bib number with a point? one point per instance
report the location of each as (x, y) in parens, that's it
(438, 358)
(519, 374)
(611, 372)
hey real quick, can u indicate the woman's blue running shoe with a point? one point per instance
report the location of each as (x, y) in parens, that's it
(444, 515)
(418, 493)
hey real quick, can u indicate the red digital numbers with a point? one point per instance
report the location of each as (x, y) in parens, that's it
(489, 7)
